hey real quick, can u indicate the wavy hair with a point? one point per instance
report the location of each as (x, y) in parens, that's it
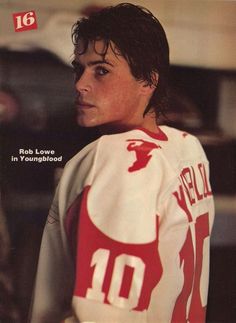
(139, 37)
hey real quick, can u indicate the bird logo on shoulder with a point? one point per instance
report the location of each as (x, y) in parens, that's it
(142, 149)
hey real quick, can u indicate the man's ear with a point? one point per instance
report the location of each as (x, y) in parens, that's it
(150, 88)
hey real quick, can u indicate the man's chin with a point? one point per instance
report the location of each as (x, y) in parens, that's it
(86, 123)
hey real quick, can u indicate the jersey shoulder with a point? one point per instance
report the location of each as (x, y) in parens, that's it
(185, 145)
(77, 173)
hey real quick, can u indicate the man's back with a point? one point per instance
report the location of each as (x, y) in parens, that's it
(143, 211)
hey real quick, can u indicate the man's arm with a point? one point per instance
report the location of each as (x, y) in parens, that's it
(54, 280)
(55, 275)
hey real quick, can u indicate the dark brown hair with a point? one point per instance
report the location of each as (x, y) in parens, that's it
(138, 36)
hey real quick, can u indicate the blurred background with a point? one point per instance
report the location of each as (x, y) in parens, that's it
(36, 112)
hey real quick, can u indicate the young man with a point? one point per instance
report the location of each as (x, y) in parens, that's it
(127, 236)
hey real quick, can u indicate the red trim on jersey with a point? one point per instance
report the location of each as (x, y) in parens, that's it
(159, 135)
(71, 224)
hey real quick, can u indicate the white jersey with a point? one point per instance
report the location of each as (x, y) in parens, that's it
(127, 236)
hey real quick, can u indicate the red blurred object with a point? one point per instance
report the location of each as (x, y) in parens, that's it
(88, 10)
(9, 107)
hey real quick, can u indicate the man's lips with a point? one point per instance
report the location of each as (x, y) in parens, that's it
(83, 105)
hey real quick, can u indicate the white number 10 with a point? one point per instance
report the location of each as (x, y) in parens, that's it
(100, 260)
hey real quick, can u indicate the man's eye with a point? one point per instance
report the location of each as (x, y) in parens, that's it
(101, 71)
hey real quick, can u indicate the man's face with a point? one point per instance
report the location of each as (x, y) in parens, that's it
(108, 94)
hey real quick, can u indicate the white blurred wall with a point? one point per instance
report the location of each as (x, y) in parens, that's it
(201, 33)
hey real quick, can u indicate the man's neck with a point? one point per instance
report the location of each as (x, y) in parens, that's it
(148, 122)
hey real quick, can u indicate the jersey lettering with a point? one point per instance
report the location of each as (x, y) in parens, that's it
(195, 191)
(192, 269)
(192, 263)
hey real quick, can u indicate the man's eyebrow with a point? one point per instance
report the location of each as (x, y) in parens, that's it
(92, 63)
(97, 62)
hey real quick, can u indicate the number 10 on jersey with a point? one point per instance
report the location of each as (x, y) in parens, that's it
(100, 261)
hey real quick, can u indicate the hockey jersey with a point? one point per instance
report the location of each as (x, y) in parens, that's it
(127, 236)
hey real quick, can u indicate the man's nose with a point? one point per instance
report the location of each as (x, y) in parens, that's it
(83, 83)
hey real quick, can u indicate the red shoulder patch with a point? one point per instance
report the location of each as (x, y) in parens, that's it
(142, 149)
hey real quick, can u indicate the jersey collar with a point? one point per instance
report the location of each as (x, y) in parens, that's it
(159, 134)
